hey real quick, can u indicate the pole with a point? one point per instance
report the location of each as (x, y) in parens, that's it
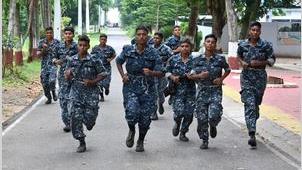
(80, 30)
(57, 20)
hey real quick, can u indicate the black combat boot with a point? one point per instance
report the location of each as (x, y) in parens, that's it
(102, 97)
(67, 128)
(154, 116)
(140, 142)
(183, 137)
(204, 144)
(140, 146)
(252, 140)
(130, 137)
(54, 95)
(106, 91)
(175, 130)
(213, 131)
(82, 146)
(48, 101)
(161, 109)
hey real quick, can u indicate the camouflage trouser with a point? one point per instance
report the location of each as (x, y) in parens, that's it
(81, 114)
(48, 80)
(105, 83)
(183, 108)
(251, 99)
(64, 89)
(138, 109)
(207, 114)
(160, 85)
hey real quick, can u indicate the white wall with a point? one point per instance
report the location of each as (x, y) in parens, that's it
(269, 31)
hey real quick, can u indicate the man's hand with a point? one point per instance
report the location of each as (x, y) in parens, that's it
(203, 74)
(44, 46)
(244, 64)
(175, 79)
(147, 72)
(189, 76)
(125, 78)
(68, 74)
(88, 82)
(217, 81)
(58, 62)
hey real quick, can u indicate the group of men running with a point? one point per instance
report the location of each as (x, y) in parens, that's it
(151, 66)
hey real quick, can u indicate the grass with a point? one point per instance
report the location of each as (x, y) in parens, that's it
(22, 74)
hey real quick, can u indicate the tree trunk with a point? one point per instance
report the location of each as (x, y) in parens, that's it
(249, 15)
(46, 13)
(33, 30)
(18, 53)
(217, 9)
(11, 23)
(191, 31)
(231, 20)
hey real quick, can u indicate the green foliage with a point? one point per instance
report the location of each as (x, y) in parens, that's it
(139, 12)
(22, 74)
(278, 12)
(65, 22)
(198, 41)
(183, 27)
(167, 31)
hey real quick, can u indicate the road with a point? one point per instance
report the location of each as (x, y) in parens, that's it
(37, 142)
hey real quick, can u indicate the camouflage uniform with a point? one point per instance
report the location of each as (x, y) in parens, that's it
(64, 87)
(184, 100)
(83, 100)
(165, 53)
(104, 54)
(253, 80)
(48, 69)
(139, 92)
(173, 42)
(208, 109)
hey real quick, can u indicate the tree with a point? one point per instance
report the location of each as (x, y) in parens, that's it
(191, 31)
(252, 10)
(46, 13)
(11, 23)
(231, 20)
(217, 9)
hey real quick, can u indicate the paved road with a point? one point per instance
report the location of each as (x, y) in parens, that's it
(37, 142)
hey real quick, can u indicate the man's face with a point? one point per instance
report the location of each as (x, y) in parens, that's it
(176, 32)
(68, 35)
(83, 47)
(49, 34)
(103, 41)
(255, 32)
(157, 39)
(210, 44)
(185, 48)
(141, 36)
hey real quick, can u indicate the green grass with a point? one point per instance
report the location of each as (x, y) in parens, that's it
(22, 74)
